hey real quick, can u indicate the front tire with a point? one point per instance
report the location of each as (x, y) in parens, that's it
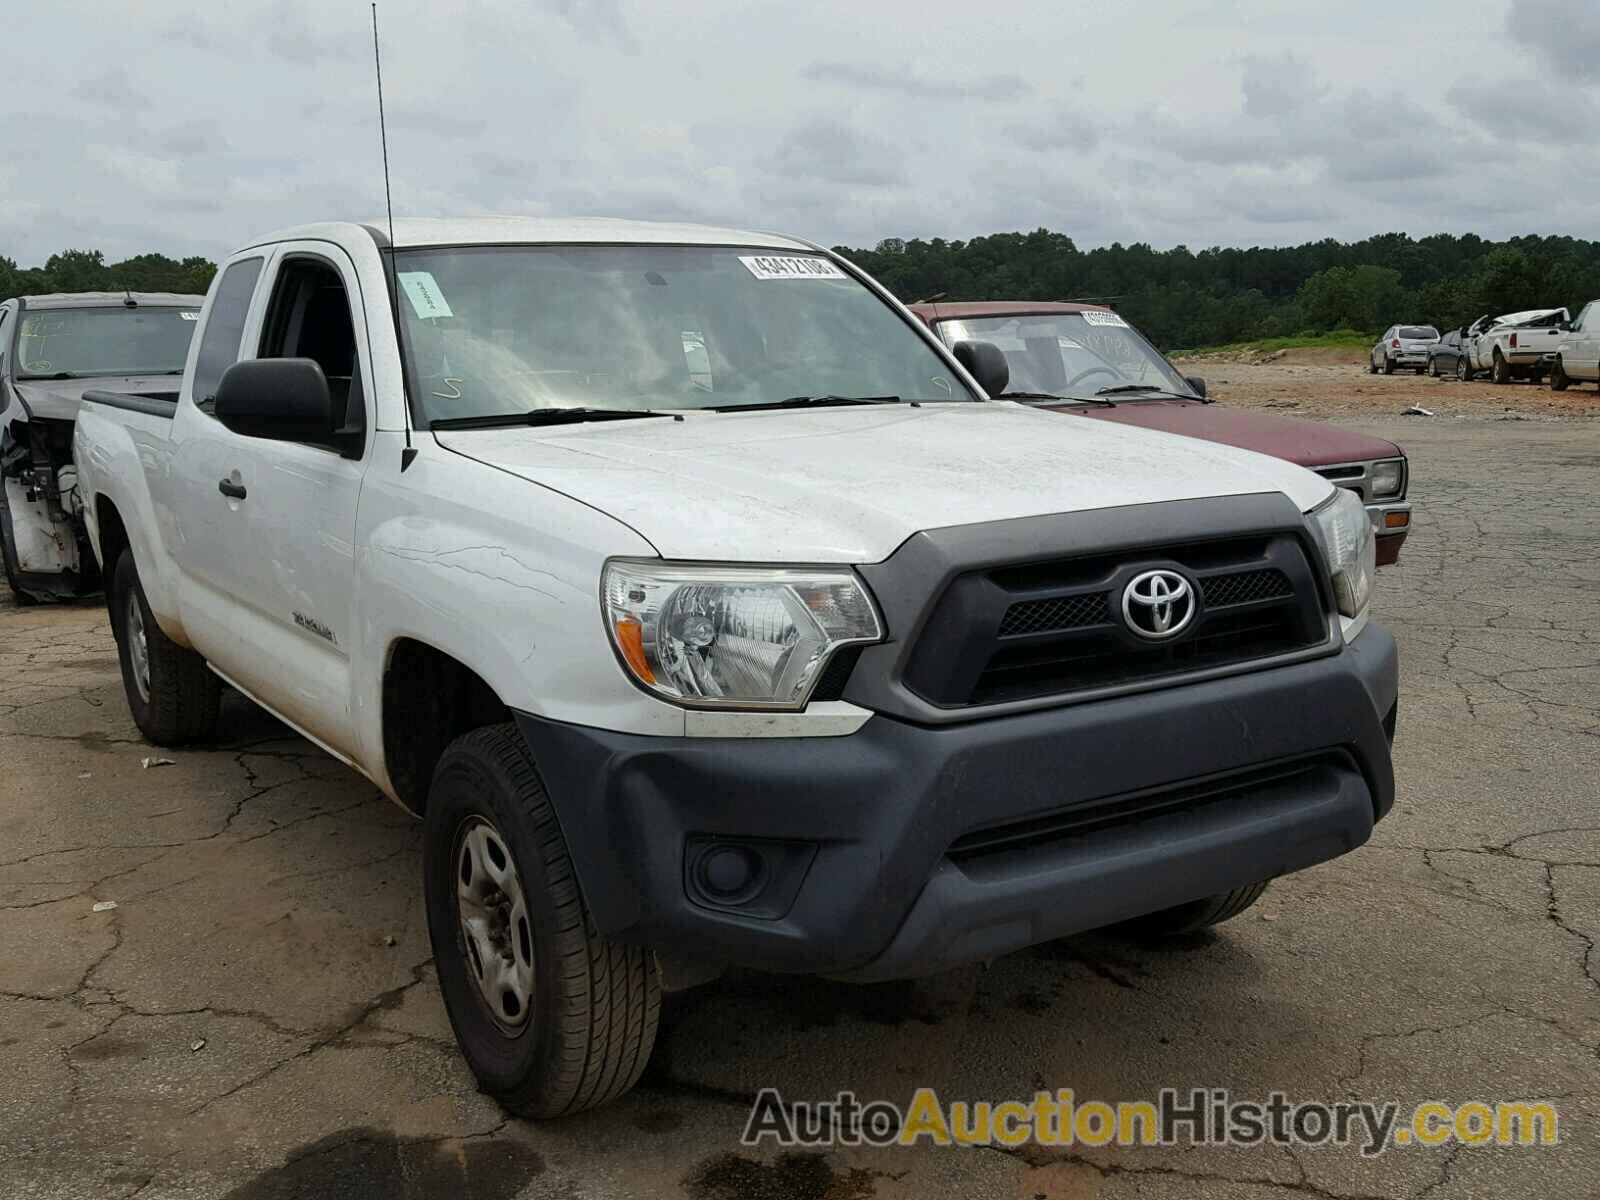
(1195, 915)
(551, 1017)
(1558, 377)
(1433, 368)
(172, 694)
(1501, 371)
(1463, 370)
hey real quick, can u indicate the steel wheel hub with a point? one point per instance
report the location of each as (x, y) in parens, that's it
(495, 927)
(138, 647)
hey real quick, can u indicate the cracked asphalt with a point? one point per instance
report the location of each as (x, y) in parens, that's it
(257, 1017)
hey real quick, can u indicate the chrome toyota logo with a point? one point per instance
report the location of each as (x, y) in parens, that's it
(1158, 604)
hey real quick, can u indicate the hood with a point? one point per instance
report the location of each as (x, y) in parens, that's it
(1309, 443)
(59, 399)
(851, 484)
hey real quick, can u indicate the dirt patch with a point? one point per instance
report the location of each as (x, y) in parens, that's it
(1310, 389)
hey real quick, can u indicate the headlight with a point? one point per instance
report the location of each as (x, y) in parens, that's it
(1348, 546)
(732, 637)
(1387, 479)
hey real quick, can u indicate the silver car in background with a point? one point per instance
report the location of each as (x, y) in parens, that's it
(1402, 346)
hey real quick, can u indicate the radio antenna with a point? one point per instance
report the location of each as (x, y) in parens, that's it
(383, 131)
(408, 453)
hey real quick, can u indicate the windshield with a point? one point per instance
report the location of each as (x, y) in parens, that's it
(1076, 355)
(1419, 333)
(513, 329)
(73, 343)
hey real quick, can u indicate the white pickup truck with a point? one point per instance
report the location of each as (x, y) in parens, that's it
(1519, 345)
(708, 613)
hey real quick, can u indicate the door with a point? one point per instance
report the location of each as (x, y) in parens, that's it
(270, 595)
(1586, 342)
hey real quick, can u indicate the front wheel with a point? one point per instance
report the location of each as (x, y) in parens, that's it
(172, 694)
(1433, 368)
(551, 1017)
(1463, 370)
(1195, 915)
(1501, 371)
(1558, 377)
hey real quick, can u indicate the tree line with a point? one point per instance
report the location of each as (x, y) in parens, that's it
(88, 271)
(1182, 298)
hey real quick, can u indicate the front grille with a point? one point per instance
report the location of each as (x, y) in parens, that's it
(1051, 628)
(1069, 612)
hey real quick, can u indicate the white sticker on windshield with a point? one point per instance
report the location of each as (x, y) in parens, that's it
(774, 266)
(427, 301)
(1095, 316)
(189, 316)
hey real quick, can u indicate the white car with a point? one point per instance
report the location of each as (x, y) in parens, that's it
(708, 612)
(1578, 351)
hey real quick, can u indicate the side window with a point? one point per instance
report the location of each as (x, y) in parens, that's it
(219, 343)
(309, 317)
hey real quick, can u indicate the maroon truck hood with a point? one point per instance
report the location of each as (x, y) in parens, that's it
(1308, 443)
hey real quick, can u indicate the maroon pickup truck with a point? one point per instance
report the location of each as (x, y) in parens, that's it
(1086, 360)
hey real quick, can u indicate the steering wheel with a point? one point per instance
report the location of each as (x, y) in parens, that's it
(1073, 382)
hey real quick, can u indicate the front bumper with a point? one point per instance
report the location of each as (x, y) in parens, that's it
(902, 849)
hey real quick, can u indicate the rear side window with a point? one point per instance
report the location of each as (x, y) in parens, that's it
(219, 340)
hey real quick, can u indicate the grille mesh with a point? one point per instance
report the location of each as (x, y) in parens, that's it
(1245, 587)
(1065, 612)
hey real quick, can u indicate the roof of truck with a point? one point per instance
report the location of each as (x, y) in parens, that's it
(105, 299)
(488, 231)
(975, 309)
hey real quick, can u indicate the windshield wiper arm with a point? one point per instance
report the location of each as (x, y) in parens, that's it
(540, 416)
(1053, 396)
(56, 375)
(825, 401)
(1129, 388)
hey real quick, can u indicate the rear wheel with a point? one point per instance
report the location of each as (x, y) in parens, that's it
(172, 694)
(1420, 370)
(1195, 915)
(551, 1017)
(1388, 365)
(1558, 377)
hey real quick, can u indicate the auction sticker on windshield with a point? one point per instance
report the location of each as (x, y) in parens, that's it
(427, 301)
(769, 266)
(1094, 316)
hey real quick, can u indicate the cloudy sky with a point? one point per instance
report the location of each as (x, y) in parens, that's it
(186, 128)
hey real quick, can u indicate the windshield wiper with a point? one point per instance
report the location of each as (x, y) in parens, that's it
(1148, 388)
(541, 416)
(825, 401)
(1052, 396)
(57, 375)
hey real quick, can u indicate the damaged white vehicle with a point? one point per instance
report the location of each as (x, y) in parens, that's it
(52, 349)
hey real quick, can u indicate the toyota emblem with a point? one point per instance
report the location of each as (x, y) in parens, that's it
(1158, 605)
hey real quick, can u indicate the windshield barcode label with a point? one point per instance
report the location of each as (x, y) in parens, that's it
(1096, 317)
(768, 266)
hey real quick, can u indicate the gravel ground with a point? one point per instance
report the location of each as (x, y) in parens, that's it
(257, 1019)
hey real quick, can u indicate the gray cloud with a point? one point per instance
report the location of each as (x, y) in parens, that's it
(898, 80)
(1562, 34)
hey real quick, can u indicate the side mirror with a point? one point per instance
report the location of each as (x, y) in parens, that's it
(1198, 384)
(986, 363)
(283, 399)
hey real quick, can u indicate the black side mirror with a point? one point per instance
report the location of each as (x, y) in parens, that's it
(1198, 384)
(986, 363)
(283, 399)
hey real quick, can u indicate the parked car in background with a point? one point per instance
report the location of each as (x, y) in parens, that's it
(1445, 357)
(1086, 360)
(818, 663)
(1578, 351)
(1402, 346)
(53, 348)
(1519, 345)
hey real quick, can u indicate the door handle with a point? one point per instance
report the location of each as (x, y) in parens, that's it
(232, 490)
